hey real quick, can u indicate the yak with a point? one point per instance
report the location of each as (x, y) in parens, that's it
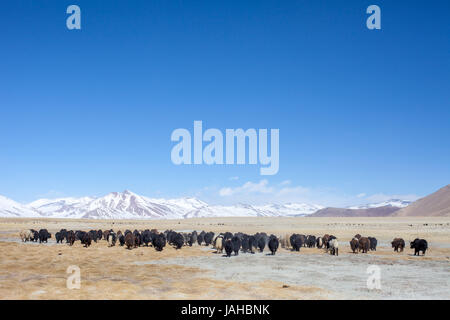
(319, 242)
(372, 243)
(261, 244)
(398, 244)
(354, 244)
(310, 241)
(236, 242)
(333, 246)
(86, 239)
(208, 238)
(228, 247)
(200, 238)
(296, 242)
(245, 243)
(218, 244)
(178, 240)
(159, 241)
(112, 238)
(121, 240)
(44, 235)
(130, 241)
(273, 244)
(364, 244)
(146, 237)
(419, 245)
(71, 237)
(192, 238)
(59, 237)
(252, 243)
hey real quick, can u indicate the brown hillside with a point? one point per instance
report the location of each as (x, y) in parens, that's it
(342, 212)
(436, 204)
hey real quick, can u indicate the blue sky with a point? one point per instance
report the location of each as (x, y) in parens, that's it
(363, 114)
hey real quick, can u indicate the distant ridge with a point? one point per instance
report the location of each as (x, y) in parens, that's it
(436, 204)
(384, 211)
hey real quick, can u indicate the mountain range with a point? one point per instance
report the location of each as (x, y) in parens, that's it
(435, 204)
(128, 205)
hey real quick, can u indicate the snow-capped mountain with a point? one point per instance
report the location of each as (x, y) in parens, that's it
(128, 205)
(10, 208)
(392, 202)
(289, 209)
(115, 205)
(245, 210)
(58, 208)
(182, 206)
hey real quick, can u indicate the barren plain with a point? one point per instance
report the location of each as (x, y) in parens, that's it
(38, 271)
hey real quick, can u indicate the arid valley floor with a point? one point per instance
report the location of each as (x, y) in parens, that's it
(38, 271)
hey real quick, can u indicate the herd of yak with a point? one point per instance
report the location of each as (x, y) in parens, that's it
(231, 243)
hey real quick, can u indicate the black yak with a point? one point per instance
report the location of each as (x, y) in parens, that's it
(159, 242)
(252, 243)
(208, 238)
(296, 241)
(310, 241)
(86, 239)
(228, 247)
(261, 244)
(200, 238)
(419, 245)
(236, 242)
(245, 243)
(44, 235)
(178, 240)
(121, 240)
(372, 243)
(273, 244)
(192, 238)
(93, 234)
(227, 235)
(146, 237)
(59, 237)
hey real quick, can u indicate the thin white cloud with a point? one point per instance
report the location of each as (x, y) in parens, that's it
(361, 195)
(248, 187)
(285, 183)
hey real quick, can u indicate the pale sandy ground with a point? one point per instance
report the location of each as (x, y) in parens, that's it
(38, 271)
